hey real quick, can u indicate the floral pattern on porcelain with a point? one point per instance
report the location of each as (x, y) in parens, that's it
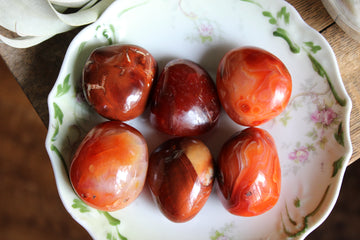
(206, 30)
(322, 105)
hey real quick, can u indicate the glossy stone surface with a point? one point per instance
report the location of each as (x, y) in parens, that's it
(249, 178)
(180, 177)
(185, 102)
(109, 168)
(254, 86)
(117, 80)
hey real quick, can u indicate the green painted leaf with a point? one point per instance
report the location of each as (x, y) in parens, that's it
(59, 115)
(301, 228)
(291, 220)
(337, 166)
(217, 235)
(205, 39)
(112, 220)
(58, 153)
(106, 35)
(253, 2)
(56, 132)
(297, 202)
(312, 134)
(317, 66)
(322, 143)
(317, 208)
(284, 119)
(109, 236)
(321, 71)
(310, 147)
(132, 7)
(81, 47)
(272, 20)
(280, 32)
(339, 135)
(63, 88)
(121, 237)
(313, 48)
(83, 208)
(112, 28)
(283, 13)
(267, 14)
(287, 18)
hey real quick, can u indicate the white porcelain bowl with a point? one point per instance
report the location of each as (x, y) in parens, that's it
(312, 134)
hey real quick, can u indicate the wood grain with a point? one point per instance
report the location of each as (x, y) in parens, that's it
(30, 206)
(313, 13)
(36, 68)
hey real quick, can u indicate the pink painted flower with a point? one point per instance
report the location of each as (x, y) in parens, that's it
(205, 29)
(299, 155)
(325, 116)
